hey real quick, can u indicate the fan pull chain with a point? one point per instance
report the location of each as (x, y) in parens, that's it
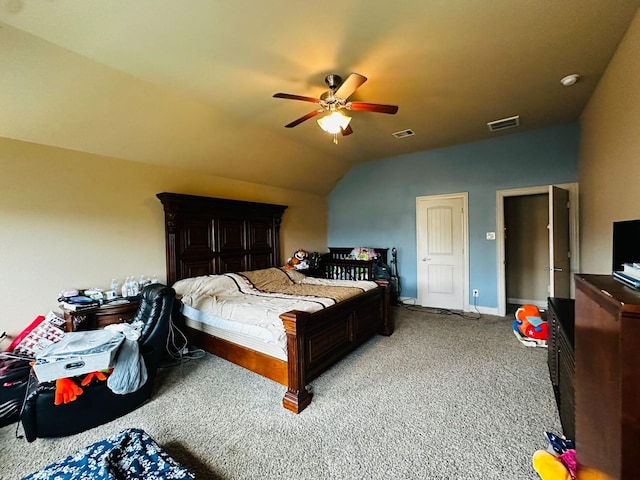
(335, 138)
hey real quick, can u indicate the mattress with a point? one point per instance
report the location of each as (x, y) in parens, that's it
(254, 337)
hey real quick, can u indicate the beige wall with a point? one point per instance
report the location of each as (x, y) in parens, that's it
(75, 220)
(609, 170)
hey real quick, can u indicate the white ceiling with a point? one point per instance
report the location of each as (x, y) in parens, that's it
(190, 83)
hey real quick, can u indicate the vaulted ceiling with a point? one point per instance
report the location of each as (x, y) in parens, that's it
(190, 83)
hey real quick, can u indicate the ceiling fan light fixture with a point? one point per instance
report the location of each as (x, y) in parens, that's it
(333, 102)
(334, 122)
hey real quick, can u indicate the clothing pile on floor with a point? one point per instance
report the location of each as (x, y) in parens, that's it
(130, 454)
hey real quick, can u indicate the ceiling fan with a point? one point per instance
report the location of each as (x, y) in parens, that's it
(335, 100)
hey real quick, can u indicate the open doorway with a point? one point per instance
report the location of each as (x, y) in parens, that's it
(522, 277)
(526, 250)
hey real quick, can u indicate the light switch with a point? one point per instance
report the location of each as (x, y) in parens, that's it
(491, 235)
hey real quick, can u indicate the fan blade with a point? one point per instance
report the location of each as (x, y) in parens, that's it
(346, 131)
(350, 85)
(289, 96)
(372, 107)
(302, 119)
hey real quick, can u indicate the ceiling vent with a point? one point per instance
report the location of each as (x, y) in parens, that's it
(504, 123)
(403, 133)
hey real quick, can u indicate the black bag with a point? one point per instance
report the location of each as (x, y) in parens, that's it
(14, 377)
(381, 270)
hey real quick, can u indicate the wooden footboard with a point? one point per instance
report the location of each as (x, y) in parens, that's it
(317, 341)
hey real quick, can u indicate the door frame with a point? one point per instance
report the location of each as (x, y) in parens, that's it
(574, 241)
(464, 196)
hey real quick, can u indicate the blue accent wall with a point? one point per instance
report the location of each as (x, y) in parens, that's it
(375, 203)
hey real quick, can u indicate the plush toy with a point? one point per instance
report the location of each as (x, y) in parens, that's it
(363, 253)
(529, 327)
(559, 462)
(552, 467)
(298, 261)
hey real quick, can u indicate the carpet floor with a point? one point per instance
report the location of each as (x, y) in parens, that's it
(444, 397)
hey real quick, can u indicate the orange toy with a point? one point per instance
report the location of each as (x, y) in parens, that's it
(550, 467)
(530, 325)
(298, 261)
(66, 391)
(90, 376)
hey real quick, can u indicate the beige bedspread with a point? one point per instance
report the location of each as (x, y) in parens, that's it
(292, 282)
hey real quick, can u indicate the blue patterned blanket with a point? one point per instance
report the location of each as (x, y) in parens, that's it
(130, 454)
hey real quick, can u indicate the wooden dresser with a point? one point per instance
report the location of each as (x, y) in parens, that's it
(607, 376)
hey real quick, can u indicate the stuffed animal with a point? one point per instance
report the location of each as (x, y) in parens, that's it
(363, 253)
(298, 261)
(559, 462)
(552, 467)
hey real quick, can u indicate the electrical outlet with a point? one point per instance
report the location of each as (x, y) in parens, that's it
(475, 292)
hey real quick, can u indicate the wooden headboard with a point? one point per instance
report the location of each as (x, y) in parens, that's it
(206, 235)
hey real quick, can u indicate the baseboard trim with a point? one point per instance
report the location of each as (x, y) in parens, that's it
(528, 301)
(410, 301)
(484, 310)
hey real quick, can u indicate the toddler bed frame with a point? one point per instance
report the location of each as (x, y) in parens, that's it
(337, 265)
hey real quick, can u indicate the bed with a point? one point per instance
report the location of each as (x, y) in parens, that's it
(212, 236)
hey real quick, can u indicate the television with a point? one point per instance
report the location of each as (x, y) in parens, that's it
(626, 243)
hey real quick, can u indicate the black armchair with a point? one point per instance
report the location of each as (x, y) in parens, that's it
(98, 404)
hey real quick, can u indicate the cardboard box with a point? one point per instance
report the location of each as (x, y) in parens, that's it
(78, 353)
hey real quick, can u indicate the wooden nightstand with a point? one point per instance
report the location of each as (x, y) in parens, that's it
(98, 317)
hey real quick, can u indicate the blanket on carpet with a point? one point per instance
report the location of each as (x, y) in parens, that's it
(130, 454)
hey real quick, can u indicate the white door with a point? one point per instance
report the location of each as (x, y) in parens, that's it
(559, 249)
(441, 234)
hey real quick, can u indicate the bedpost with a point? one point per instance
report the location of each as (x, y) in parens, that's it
(297, 397)
(171, 227)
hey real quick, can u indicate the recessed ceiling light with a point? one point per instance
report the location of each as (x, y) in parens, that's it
(570, 80)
